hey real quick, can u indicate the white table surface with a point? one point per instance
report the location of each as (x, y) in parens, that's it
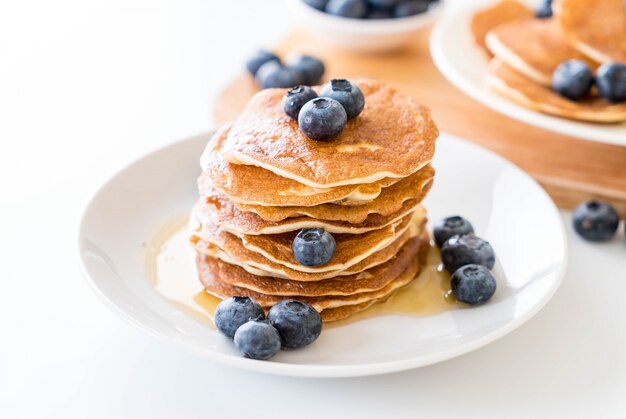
(88, 86)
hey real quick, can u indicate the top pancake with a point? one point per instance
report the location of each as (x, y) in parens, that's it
(534, 47)
(597, 28)
(493, 16)
(393, 137)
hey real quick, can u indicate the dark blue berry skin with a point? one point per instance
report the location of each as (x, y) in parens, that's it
(274, 74)
(347, 8)
(595, 221)
(311, 68)
(257, 339)
(544, 10)
(473, 284)
(298, 323)
(322, 119)
(295, 99)
(466, 249)
(317, 4)
(451, 226)
(235, 311)
(572, 79)
(378, 14)
(611, 81)
(348, 94)
(313, 246)
(410, 8)
(382, 4)
(259, 59)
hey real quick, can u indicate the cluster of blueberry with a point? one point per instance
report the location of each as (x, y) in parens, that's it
(323, 118)
(574, 79)
(468, 258)
(269, 71)
(596, 221)
(290, 324)
(372, 9)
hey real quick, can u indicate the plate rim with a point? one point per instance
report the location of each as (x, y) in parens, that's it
(316, 370)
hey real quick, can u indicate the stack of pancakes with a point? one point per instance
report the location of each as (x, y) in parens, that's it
(263, 181)
(525, 51)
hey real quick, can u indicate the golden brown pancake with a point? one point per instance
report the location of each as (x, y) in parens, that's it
(597, 28)
(388, 202)
(533, 47)
(256, 186)
(490, 18)
(516, 87)
(393, 137)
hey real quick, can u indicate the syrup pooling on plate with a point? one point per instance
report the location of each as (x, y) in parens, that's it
(173, 270)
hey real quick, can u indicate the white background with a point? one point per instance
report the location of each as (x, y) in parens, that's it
(88, 86)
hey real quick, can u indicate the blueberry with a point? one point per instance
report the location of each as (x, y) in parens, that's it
(572, 79)
(595, 221)
(451, 226)
(298, 323)
(382, 4)
(322, 119)
(410, 8)
(313, 246)
(347, 8)
(348, 94)
(311, 68)
(544, 10)
(473, 284)
(259, 59)
(257, 339)
(317, 4)
(235, 311)
(274, 74)
(466, 249)
(611, 81)
(295, 99)
(378, 14)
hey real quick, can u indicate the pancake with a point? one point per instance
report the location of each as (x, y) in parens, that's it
(487, 19)
(518, 88)
(253, 185)
(220, 211)
(368, 281)
(340, 313)
(388, 202)
(393, 137)
(596, 28)
(533, 47)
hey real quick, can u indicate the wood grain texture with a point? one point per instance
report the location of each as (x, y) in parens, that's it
(571, 170)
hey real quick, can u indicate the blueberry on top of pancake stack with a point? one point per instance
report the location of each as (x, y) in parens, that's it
(316, 198)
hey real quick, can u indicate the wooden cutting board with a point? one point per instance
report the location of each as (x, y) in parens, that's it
(570, 170)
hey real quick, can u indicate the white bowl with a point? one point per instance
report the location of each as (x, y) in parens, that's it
(363, 35)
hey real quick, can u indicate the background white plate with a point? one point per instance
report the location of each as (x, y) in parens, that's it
(464, 65)
(505, 205)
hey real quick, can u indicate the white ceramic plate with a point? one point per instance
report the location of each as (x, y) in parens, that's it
(464, 65)
(505, 205)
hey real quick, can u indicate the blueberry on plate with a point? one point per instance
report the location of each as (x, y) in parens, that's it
(298, 323)
(274, 74)
(473, 284)
(378, 14)
(322, 119)
(544, 10)
(313, 246)
(295, 99)
(347, 8)
(611, 81)
(595, 221)
(311, 68)
(451, 226)
(466, 249)
(317, 4)
(348, 94)
(382, 4)
(572, 79)
(410, 8)
(260, 58)
(235, 311)
(257, 339)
